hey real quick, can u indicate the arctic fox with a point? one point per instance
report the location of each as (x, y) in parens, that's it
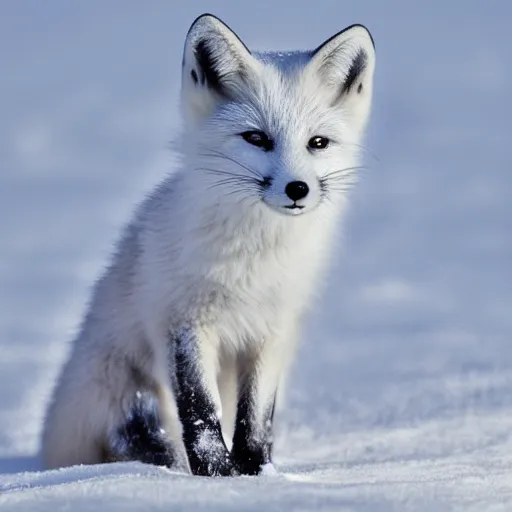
(184, 348)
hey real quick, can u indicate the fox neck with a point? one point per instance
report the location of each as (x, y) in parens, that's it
(226, 227)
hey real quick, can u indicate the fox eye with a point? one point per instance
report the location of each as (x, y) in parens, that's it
(258, 139)
(318, 142)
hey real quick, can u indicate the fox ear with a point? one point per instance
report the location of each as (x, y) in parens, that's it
(345, 64)
(217, 66)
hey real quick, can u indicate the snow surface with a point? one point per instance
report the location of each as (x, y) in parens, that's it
(401, 398)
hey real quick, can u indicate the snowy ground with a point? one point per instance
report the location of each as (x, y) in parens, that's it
(401, 398)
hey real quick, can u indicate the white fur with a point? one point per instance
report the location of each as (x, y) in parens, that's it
(238, 267)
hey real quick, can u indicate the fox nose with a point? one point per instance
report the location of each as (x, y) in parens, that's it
(296, 190)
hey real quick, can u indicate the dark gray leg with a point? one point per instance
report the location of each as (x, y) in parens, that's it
(202, 434)
(141, 437)
(252, 441)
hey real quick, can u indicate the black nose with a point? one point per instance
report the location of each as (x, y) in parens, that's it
(296, 190)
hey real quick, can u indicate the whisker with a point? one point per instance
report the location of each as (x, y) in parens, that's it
(228, 182)
(236, 186)
(235, 191)
(327, 186)
(243, 194)
(230, 186)
(338, 189)
(220, 154)
(345, 171)
(226, 173)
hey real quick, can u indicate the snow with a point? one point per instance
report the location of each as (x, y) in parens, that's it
(401, 396)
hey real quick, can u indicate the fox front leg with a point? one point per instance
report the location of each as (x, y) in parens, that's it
(253, 438)
(252, 442)
(199, 406)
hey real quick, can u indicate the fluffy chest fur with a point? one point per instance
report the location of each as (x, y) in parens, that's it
(242, 274)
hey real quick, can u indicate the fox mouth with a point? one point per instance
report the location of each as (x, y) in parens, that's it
(292, 210)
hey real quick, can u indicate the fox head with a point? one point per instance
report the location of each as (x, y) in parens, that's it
(276, 129)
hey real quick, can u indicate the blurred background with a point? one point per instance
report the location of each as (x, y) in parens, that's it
(407, 354)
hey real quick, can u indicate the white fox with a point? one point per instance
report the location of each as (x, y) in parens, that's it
(190, 330)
